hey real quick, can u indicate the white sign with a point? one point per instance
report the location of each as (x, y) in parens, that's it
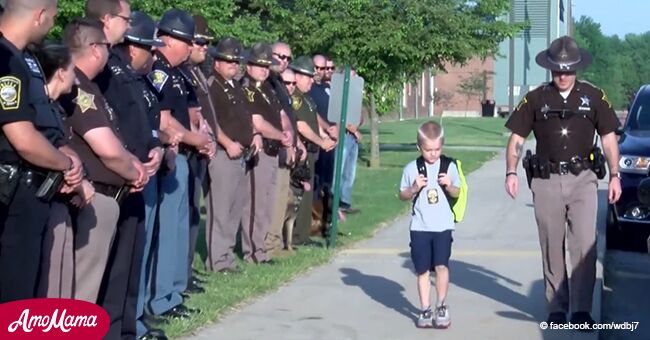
(355, 99)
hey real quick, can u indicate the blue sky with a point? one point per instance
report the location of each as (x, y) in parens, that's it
(615, 16)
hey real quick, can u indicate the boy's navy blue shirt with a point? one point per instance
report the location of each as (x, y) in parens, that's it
(432, 211)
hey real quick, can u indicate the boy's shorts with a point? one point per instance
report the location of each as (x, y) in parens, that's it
(430, 249)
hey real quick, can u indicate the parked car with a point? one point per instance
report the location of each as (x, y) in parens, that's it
(628, 221)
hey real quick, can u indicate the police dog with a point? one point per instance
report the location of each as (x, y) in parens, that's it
(321, 213)
(299, 184)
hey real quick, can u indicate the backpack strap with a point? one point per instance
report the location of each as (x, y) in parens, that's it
(422, 170)
(444, 164)
(444, 167)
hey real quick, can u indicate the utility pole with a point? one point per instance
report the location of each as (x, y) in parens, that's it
(511, 61)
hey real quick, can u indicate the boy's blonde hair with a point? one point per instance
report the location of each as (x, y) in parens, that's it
(430, 131)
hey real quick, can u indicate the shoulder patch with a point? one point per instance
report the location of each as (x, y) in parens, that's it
(296, 102)
(158, 79)
(85, 100)
(250, 94)
(10, 92)
(522, 103)
(33, 65)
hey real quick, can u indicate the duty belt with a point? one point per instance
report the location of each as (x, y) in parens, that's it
(564, 168)
(118, 193)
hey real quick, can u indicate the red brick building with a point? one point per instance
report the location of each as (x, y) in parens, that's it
(456, 92)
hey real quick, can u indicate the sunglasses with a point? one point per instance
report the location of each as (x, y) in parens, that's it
(293, 83)
(324, 68)
(127, 19)
(283, 57)
(201, 42)
(101, 43)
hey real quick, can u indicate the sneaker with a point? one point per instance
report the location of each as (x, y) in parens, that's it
(425, 320)
(581, 318)
(442, 317)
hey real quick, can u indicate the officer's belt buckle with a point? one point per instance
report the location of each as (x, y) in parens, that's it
(563, 168)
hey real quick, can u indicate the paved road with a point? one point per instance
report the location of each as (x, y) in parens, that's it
(369, 292)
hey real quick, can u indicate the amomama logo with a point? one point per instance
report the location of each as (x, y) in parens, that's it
(52, 319)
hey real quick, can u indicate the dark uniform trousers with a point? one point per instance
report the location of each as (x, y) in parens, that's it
(303, 220)
(573, 197)
(227, 200)
(257, 221)
(23, 224)
(198, 168)
(119, 291)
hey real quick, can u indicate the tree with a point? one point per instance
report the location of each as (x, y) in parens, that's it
(224, 17)
(475, 86)
(388, 41)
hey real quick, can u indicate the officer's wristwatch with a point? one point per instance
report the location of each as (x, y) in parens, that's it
(615, 174)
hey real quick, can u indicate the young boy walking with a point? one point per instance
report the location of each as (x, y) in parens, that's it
(432, 221)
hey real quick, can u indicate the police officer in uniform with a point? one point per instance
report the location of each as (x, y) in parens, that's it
(135, 55)
(267, 119)
(229, 195)
(176, 96)
(124, 91)
(308, 128)
(274, 240)
(26, 156)
(563, 174)
(57, 267)
(113, 170)
(199, 163)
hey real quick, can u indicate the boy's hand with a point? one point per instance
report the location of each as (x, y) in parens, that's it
(444, 180)
(420, 182)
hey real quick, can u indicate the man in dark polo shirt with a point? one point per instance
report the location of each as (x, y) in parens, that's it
(24, 151)
(267, 115)
(177, 100)
(320, 93)
(563, 174)
(228, 198)
(96, 138)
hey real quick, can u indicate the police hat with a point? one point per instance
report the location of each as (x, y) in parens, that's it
(178, 24)
(260, 54)
(142, 30)
(201, 29)
(303, 65)
(563, 55)
(228, 48)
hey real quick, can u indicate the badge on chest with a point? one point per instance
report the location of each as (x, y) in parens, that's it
(585, 104)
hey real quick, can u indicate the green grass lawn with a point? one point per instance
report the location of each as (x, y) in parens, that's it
(375, 193)
(458, 131)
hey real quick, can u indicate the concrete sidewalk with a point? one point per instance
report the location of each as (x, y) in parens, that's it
(369, 291)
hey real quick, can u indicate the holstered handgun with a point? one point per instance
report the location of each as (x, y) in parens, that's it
(121, 195)
(526, 163)
(597, 162)
(9, 178)
(50, 186)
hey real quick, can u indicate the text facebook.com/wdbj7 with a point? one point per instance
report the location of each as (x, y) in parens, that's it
(628, 326)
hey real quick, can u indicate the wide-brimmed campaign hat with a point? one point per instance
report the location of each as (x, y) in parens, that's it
(563, 55)
(228, 48)
(178, 24)
(303, 65)
(260, 54)
(142, 30)
(201, 29)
